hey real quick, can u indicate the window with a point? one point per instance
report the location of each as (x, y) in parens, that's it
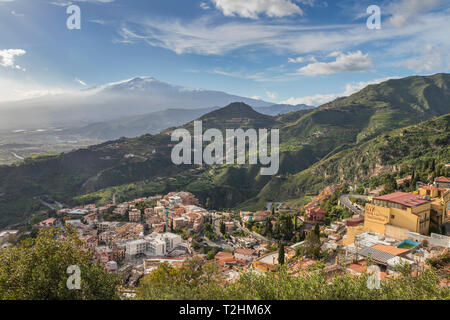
(392, 216)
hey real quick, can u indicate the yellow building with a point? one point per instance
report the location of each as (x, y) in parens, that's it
(349, 238)
(399, 209)
(440, 200)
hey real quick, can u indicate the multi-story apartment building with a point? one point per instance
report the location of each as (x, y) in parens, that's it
(134, 215)
(400, 209)
(136, 247)
(156, 244)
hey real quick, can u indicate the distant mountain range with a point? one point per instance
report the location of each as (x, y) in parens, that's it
(392, 126)
(155, 122)
(134, 97)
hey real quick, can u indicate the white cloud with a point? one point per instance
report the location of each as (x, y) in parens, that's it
(253, 8)
(315, 100)
(302, 59)
(350, 62)
(257, 77)
(430, 58)
(65, 3)
(205, 6)
(20, 89)
(16, 14)
(99, 21)
(80, 82)
(296, 60)
(8, 57)
(351, 88)
(407, 11)
(334, 54)
(319, 99)
(271, 95)
(204, 36)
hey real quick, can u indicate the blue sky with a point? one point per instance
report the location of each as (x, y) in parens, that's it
(293, 51)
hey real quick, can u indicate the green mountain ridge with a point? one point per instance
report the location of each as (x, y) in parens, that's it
(401, 150)
(313, 143)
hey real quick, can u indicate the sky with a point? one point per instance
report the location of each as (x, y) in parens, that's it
(282, 51)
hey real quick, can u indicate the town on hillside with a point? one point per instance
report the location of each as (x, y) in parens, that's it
(337, 230)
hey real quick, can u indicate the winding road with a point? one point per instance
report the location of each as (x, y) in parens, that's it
(345, 201)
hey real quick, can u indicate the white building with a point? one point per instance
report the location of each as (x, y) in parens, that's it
(244, 254)
(155, 244)
(136, 247)
(111, 266)
(172, 240)
(6, 233)
(156, 247)
(175, 200)
(78, 213)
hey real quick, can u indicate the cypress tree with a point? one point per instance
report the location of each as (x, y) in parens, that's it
(280, 253)
(317, 229)
(269, 226)
(222, 227)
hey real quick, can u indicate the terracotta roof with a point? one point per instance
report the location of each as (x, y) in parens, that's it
(305, 264)
(244, 251)
(49, 220)
(261, 213)
(358, 267)
(318, 210)
(403, 198)
(223, 255)
(390, 249)
(442, 179)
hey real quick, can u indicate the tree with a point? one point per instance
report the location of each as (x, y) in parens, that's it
(311, 247)
(286, 226)
(43, 263)
(194, 280)
(208, 203)
(317, 229)
(302, 236)
(222, 228)
(443, 229)
(414, 180)
(276, 234)
(390, 184)
(360, 190)
(268, 231)
(345, 189)
(433, 164)
(281, 253)
(52, 213)
(167, 282)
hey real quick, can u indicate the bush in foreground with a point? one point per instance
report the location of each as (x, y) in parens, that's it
(195, 281)
(36, 269)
